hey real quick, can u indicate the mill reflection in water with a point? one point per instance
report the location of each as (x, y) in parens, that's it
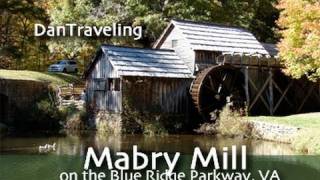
(76, 145)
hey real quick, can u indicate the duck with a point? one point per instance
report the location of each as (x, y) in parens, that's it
(47, 148)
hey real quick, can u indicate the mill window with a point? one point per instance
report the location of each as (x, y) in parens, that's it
(174, 43)
(113, 84)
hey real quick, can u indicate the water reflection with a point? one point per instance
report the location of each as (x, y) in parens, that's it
(71, 144)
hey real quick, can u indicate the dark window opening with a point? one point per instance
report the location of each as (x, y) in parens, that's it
(113, 84)
(3, 107)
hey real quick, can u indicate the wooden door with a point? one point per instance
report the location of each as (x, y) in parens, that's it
(114, 99)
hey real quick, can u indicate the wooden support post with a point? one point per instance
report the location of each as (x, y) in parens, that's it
(270, 92)
(283, 96)
(305, 99)
(316, 92)
(259, 94)
(319, 89)
(246, 86)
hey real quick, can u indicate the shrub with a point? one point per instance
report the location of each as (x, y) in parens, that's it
(153, 128)
(74, 118)
(76, 121)
(149, 122)
(45, 109)
(231, 123)
(69, 110)
(41, 115)
(132, 120)
(108, 124)
(207, 128)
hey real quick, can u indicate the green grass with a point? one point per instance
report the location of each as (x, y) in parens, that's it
(307, 120)
(307, 141)
(53, 78)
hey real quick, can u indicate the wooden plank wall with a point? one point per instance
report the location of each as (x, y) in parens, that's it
(165, 95)
(114, 101)
(97, 95)
(182, 47)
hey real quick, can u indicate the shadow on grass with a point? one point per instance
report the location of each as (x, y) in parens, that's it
(69, 78)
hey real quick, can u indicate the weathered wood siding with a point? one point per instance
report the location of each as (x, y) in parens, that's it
(182, 48)
(98, 95)
(205, 59)
(157, 94)
(165, 78)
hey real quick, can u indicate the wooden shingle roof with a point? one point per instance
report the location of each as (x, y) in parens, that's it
(215, 37)
(271, 48)
(146, 62)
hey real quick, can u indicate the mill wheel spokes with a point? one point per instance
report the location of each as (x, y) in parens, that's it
(212, 87)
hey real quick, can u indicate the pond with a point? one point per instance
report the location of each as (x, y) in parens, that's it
(20, 157)
(76, 145)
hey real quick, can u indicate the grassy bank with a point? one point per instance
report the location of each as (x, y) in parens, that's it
(308, 138)
(53, 78)
(307, 120)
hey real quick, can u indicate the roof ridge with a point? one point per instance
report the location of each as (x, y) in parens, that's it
(138, 48)
(209, 24)
(268, 43)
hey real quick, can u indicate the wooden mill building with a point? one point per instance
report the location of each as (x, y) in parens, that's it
(148, 78)
(210, 63)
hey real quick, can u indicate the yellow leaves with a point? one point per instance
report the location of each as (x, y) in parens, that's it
(300, 46)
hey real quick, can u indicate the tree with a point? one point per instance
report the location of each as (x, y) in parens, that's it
(300, 46)
(255, 15)
(258, 16)
(84, 13)
(262, 22)
(18, 47)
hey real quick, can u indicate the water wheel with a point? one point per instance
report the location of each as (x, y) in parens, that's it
(214, 86)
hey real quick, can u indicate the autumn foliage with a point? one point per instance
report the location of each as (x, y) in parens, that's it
(20, 49)
(300, 28)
